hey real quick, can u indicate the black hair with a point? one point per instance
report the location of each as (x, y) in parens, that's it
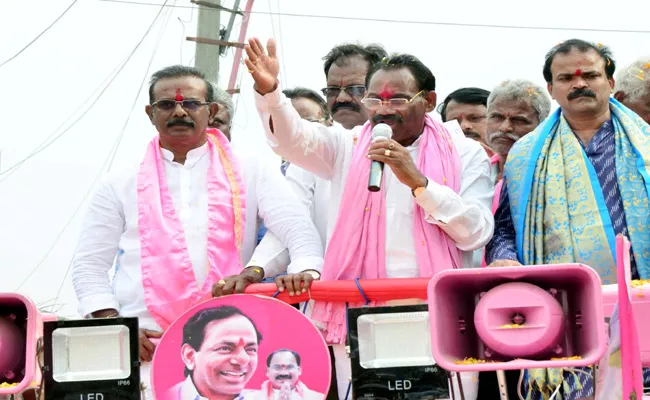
(469, 95)
(194, 328)
(583, 46)
(422, 74)
(304, 93)
(270, 357)
(177, 71)
(373, 53)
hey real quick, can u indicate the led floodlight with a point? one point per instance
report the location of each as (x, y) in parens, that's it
(390, 351)
(92, 359)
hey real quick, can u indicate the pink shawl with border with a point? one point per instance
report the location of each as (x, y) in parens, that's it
(170, 285)
(358, 244)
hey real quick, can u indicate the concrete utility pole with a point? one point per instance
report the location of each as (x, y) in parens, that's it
(209, 27)
(212, 41)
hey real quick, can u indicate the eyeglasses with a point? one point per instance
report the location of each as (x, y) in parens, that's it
(397, 103)
(278, 368)
(352, 91)
(189, 105)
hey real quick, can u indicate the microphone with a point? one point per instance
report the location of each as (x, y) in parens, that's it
(379, 132)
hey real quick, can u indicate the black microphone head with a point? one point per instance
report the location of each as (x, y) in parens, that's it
(382, 131)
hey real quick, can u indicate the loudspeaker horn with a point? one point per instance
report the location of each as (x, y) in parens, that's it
(21, 327)
(511, 318)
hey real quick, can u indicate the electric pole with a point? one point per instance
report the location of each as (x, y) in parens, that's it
(212, 41)
(206, 57)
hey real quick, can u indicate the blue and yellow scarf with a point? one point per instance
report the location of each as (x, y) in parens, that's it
(557, 205)
(559, 211)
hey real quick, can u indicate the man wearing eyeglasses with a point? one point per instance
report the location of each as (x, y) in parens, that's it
(346, 67)
(283, 371)
(184, 218)
(433, 209)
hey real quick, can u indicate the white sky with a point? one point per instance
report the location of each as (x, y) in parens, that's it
(44, 86)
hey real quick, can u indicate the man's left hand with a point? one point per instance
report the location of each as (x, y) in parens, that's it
(237, 283)
(296, 284)
(399, 160)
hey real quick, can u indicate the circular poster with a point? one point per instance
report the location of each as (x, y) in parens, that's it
(241, 347)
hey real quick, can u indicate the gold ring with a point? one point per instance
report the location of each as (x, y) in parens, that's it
(387, 153)
(250, 71)
(222, 282)
(391, 146)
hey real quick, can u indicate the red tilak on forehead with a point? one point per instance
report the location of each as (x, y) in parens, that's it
(386, 92)
(578, 72)
(241, 342)
(179, 96)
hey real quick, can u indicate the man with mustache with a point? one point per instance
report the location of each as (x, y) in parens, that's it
(468, 106)
(433, 208)
(633, 87)
(573, 184)
(184, 218)
(220, 352)
(283, 370)
(345, 68)
(514, 109)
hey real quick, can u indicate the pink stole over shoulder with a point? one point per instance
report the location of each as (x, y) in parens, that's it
(358, 244)
(170, 286)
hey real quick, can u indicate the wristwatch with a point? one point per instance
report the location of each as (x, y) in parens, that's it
(416, 192)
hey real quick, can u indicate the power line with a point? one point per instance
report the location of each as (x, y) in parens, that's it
(45, 144)
(283, 49)
(108, 161)
(111, 156)
(395, 21)
(143, 81)
(40, 34)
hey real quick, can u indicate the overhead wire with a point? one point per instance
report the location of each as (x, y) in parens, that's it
(142, 82)
(280, 37)
(108, 160)
(282, 71)
(40, 34)
(53, 136)
(111, 157)
(402, 21)
(183, 22)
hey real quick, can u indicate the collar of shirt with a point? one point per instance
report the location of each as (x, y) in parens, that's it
(192, 158)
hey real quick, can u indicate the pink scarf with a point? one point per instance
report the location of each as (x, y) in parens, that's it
(170, 286)
(358, 244)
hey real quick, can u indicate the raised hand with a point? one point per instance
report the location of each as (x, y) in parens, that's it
(264, 68)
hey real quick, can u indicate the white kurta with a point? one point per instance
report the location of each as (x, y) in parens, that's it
(110, 228)
(313, 193)
(466, 217)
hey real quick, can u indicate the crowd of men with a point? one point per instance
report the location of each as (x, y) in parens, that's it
(524, 185)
